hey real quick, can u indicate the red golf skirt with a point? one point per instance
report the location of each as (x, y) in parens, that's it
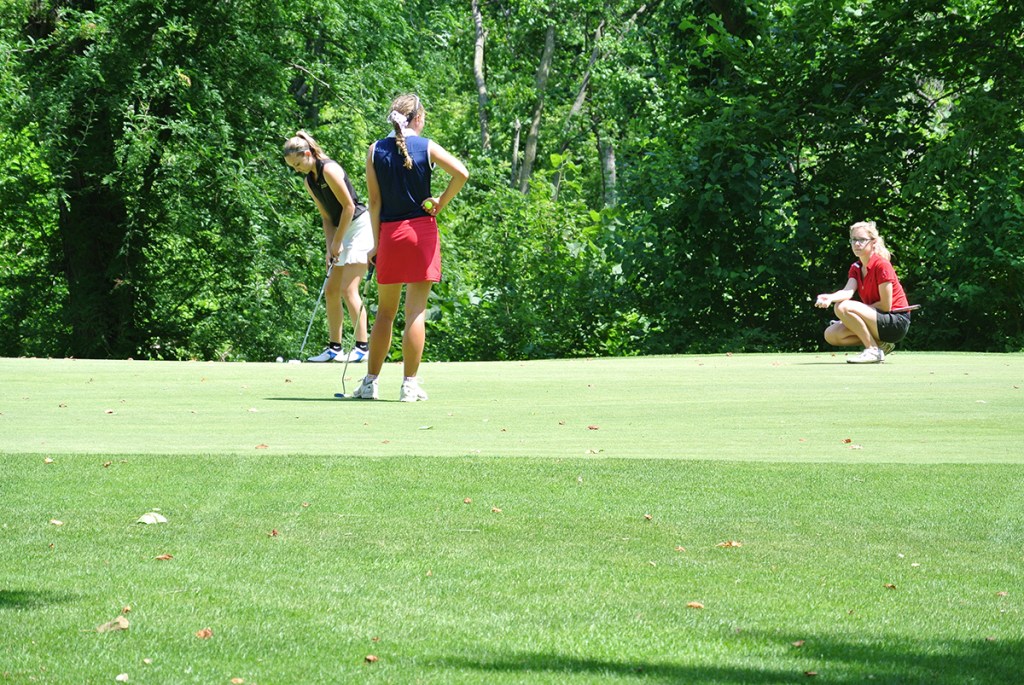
(409, 251)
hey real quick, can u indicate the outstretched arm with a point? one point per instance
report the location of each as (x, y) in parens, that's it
(826, 300)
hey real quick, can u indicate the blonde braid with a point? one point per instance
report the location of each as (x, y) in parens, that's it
(404, 109)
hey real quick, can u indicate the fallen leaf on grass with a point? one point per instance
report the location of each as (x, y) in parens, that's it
(261, 446)
(204, 634)
(164, 557)
(810, 674)
(147, 661)
(1002, 593)
(495, 510)
(847, 440)
(798, 643)
(119, 623)
(370, 658)
(467, 501)
(126, 609)
(108, 411)
(648, 517)
(890, 586)
(107, 464)
(730, 543)
(856, 447)
(55, 522)
(694, 605)
(680, 549)
(121, 677)
(47, 461)
(593, 427)
(152, 517)
(273, 533)
(237, 681)
(990, 638)
(426, 428)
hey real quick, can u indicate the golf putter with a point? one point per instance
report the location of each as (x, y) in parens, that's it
(315, 307)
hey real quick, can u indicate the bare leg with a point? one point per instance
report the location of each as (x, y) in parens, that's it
(388, 298)
(860, 320)
(415, 334)
(351, 275)
(333, 305)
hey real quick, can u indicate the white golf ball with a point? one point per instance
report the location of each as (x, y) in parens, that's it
(280, 360)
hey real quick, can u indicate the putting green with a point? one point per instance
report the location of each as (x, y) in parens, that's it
(917, 407)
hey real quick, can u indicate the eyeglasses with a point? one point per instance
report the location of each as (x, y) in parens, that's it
(860, 241)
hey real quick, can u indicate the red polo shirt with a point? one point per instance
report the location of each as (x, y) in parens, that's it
(879, 271)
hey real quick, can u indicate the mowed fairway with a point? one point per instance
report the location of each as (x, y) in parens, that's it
(694, 519)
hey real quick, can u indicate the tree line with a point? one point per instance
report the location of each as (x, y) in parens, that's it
(650, 177)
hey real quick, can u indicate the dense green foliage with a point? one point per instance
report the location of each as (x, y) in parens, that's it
(697, 163)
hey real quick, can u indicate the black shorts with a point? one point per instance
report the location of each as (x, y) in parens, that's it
(892, 326)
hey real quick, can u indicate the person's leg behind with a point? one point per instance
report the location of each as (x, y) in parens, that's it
(334, 308)
(351, 277)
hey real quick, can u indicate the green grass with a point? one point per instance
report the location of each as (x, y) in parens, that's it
(599, 492)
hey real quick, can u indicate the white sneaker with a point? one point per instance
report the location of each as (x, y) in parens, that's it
(870, 355)
(412, 392)
(328, 355)
(357, 355)
(367, 390)
(887, 347)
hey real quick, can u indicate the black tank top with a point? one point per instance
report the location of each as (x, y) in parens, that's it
(318, 184)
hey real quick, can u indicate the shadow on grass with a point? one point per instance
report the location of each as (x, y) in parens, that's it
(27, 599)
(940, 662)
(379, 400)
(303, 399)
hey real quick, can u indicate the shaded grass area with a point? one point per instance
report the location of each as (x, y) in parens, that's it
(557, 570)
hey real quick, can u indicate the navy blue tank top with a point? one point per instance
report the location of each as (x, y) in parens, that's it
(402, 191)
(318, 184)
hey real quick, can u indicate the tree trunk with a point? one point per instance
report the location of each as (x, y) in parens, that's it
(577, 105)
(608, 173)
(478, 74)
(517, 128)
(530, 153)
(97, 261)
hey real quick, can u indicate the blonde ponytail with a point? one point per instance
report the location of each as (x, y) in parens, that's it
(303, 142)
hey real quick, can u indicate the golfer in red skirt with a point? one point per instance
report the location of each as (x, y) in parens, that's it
(407, 248)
